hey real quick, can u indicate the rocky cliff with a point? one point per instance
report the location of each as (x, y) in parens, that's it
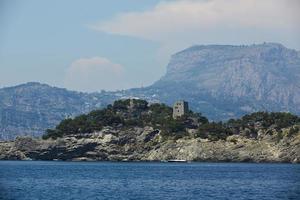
(146, 144)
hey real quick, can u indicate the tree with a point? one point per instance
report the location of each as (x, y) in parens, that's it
(213, 131)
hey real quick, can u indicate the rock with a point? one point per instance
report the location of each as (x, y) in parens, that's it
(108, 138)
(137, 144)
(25, 143)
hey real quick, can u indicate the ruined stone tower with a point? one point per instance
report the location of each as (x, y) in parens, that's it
(180, 108)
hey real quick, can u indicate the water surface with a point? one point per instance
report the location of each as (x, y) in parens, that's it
(30, 180)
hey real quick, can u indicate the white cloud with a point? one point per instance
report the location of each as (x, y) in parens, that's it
(94, 74)
(176, 25)
(186, 22)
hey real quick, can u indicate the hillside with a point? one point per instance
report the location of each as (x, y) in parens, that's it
(31, 108)
(224, 81)
(135, 130)
(220, 81)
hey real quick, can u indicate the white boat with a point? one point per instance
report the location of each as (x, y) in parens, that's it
(177, 160)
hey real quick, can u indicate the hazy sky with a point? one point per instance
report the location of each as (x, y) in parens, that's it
(117, 44)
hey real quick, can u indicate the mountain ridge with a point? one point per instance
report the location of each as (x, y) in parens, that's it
(220, 81)
(237, 72)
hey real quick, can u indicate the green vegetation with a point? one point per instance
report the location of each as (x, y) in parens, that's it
(213, 131)
(126, 113)
(249, 125)
(138, 113)
(265, 119)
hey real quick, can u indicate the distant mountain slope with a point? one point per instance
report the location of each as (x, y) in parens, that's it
(220, 81)
(224, 81)
(30, 108)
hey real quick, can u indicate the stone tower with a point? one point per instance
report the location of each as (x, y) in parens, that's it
(180, 108)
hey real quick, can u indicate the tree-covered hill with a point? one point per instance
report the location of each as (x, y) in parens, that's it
(135, 130)
(124, 114)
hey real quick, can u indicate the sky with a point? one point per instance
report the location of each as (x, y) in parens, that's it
(96, 45)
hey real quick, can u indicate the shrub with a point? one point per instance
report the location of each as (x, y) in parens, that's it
(279, 136)
(293, 130)
(121, 104)
(174, 126)
(52, 134)
(213, 131)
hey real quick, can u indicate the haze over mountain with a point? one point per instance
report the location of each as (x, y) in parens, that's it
(30, 108)
(220, 81)
(225, 81)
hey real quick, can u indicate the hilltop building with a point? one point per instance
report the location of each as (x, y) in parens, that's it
(180, 108)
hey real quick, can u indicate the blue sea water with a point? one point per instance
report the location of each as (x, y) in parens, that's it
(31, 180)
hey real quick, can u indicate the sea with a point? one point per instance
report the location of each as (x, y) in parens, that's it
(43, 180)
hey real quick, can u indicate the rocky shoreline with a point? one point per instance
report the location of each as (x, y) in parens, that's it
(147, 144)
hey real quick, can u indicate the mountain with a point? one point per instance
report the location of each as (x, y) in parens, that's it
(224, 81)
(29, 109)
(220, 81)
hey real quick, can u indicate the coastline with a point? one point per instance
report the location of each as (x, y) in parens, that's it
(149, 162)
(101, 149)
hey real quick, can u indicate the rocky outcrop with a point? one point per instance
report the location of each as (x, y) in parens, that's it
(241, 150)
(147, 144)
